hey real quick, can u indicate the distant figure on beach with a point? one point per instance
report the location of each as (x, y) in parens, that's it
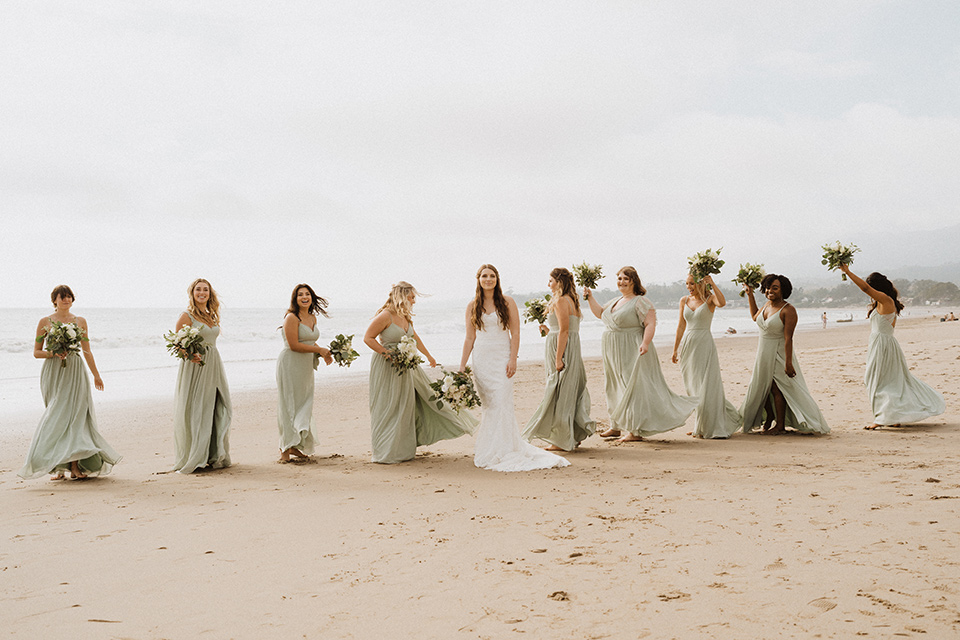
(563, 417)
(638, 399)
(202, 408)
(67, 439)
(493, 338)
(896, 396)
(823, 319)
(402, 417)
(777, 388)
(295, 366)
(696, 352)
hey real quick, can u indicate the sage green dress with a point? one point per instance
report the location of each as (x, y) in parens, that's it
(402, 416)
(563, 417)
(896, 396)
(295, 387)
(202, 409)
(803, 414)
(68, 427)
(638, 398)
(700, 367)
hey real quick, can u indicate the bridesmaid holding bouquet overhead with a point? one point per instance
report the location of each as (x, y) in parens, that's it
(696, 352)
(402, 416)
(777, 388)
(66, 439)
(202, 411)
(295, 367)
(896, 395)
(563, 417)
(638, 398)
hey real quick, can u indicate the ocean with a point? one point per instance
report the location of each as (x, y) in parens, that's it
(129, 347)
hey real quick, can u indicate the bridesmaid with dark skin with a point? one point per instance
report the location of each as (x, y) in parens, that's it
(788, 315)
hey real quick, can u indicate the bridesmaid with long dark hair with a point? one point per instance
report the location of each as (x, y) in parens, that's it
(202, 412)
(563, 417)
(295, 367)
(896, 396)
(67, 439)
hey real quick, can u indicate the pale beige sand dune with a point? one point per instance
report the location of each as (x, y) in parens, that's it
(854, 534)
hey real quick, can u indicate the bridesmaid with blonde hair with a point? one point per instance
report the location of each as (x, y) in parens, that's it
(67, 439)
(295, 367)
(202, 411)
(402, 416)
(563, 417)
(696, 352)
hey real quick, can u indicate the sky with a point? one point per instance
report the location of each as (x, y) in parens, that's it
(354, 144)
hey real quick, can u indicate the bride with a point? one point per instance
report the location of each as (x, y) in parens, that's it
(493, 336)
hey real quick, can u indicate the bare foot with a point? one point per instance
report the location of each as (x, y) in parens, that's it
(610, 433)
(690, 433)
(774, 431)
(553, 447)
(59, 475)
(871, 427)
(76, 472)
(629, 438)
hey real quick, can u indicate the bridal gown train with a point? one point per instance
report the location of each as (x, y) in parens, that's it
(499, 446)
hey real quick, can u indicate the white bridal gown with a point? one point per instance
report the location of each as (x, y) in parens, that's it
(499, 446)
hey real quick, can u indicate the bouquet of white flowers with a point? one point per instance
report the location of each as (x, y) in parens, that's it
(404, 356)
(536, 310)
(705, 263)
(750, 275)
(63, 338)
(187, 342)
(456, 389)
(836, 254)
(341, 348)
(587, 276)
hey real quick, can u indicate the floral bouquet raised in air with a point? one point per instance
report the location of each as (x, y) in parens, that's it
(63, 338)
(536, 311)
(750, 275)
(835, 255)
(341, 348)
(404, 356)
(186, 343)
(586, 275)
(456, 389)
(705, 263)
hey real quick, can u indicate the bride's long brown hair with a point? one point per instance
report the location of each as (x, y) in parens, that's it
(499, 301)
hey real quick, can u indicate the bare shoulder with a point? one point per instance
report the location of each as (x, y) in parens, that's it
(511, 303)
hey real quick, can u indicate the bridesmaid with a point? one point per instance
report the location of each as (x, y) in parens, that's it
(563, 417)
(638, 398)
(402, 417)
(777, 387)
(896, 396)
(295, 367)
(699, 364)
(202, 413)
(67, 438)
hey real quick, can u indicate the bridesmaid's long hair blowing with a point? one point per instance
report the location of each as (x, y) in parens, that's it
(318, 305)
(567, 287)
(499, 301)
(786, 288)
(882, 284)
(631, 273)
(397, 300)
(209, 316)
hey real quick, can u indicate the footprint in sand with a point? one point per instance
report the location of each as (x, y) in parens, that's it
(824, 604)
(775, 566)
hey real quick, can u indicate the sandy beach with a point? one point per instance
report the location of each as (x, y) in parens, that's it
(853, 534)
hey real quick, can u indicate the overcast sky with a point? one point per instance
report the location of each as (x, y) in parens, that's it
(353, 144)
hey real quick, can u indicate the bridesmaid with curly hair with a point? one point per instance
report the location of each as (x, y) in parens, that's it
(896, 396)
(563, 417)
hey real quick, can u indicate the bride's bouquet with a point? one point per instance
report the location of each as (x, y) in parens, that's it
(456, 389)
(705, 263)
(186, 343)
(536, 311)
(836, 255)
(404, 356)
(750, 275)
(63, 338)
(341, 348)
(587, 276)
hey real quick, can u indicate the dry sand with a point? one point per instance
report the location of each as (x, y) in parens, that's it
(854, 534)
